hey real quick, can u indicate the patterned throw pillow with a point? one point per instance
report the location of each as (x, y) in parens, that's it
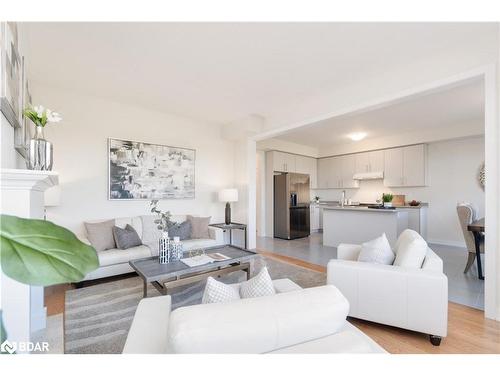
(258, 286)
(216, 292)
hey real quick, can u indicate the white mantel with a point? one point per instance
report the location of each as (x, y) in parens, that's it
(23, 305)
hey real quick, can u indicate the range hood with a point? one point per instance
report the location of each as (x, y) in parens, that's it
(368, 176)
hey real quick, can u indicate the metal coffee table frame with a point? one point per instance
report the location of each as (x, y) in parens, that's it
(166, 276)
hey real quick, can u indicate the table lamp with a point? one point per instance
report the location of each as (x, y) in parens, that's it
(228, 196)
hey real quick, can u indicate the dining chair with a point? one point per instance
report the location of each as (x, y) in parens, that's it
(466, 215)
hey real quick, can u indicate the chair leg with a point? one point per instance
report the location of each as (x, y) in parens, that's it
(470, 262)
(435, 340)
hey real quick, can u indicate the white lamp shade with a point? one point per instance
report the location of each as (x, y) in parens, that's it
(228, 195)
(52, 196)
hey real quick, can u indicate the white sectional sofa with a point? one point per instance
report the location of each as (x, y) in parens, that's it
(413, 299)
(294, 320)
(115, 261)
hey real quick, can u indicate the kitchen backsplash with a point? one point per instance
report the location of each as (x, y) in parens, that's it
(371, 190)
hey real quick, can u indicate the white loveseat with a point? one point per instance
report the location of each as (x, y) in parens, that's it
(115, 261)
(294, 320)
(413, 299)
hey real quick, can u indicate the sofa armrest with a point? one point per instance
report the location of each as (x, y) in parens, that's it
(348, 251)
(148, 333)
(414, 299)
(216, 234)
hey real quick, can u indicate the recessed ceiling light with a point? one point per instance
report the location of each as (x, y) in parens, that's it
(357, 136)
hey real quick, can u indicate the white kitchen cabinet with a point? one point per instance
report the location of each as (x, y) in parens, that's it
(279, 162)
(372, 161)
(405, 166)
(336, 172)
(314, 218)
(414, 165)
(307, 165)
(348, 169)
(283, 162)
(393, 167)
(324, 166)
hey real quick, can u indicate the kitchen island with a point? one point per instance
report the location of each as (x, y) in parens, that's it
(358, 224)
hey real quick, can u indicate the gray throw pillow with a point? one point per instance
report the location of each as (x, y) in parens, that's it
(100, 235)
(126, 237)
(181, 230)
(199, 226)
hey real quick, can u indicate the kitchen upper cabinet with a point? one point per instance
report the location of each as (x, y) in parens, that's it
(307, 165)
(405, 166)
(323, 173)
(336, 172)
(414, 165)
(283, 162)
(372, 161)
(393, 167)
(348, 169)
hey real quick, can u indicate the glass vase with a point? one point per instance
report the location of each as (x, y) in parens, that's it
(40, 152)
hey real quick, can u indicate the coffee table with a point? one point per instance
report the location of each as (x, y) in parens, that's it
(174, 274)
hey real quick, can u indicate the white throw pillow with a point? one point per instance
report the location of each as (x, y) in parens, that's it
(216, 292)
(258, 286)
(411, 250)
(376, 251)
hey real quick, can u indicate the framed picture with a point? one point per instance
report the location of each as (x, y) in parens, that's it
(11, 70)
(24, 132)
(145, 171)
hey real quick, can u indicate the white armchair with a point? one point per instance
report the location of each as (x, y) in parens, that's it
(413, 299)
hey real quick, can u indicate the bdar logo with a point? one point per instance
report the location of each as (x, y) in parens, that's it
(8, 347)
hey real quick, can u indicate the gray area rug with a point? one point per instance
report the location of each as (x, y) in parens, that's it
(97, 318)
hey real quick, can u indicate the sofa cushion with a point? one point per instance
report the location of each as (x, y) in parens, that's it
(411, 249)
(258, 325)
(126, 238)
(116, 256)
(199, 226)
(181, 230)
(198, 244)
(150, 232)
(258, 286)
(100, 234)
(376, 251)
(217, 292)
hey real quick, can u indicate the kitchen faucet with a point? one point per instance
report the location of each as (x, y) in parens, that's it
(343, 198)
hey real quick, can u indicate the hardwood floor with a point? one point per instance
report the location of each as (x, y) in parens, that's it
(468, 331)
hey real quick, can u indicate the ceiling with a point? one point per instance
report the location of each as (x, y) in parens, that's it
(222, 72)
(447, 108)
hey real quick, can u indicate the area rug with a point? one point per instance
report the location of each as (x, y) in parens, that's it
(97, 318)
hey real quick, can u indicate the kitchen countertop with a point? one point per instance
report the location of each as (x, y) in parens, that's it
(359, 208)
(336, 204)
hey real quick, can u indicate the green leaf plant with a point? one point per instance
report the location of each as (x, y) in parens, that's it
(39, 252)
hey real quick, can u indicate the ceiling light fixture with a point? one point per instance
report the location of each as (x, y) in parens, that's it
(357, 136)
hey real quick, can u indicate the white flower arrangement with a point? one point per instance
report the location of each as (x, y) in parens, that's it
(41, 116)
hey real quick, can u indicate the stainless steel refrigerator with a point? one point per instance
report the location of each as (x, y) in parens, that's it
(291, 206)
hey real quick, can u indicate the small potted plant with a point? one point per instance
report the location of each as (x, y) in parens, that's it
(387, 199)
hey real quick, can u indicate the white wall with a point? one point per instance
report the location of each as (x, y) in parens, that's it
(452, 167)
(80, 156)
(9, 158)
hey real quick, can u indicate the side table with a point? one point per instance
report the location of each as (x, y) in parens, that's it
(230, 228)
